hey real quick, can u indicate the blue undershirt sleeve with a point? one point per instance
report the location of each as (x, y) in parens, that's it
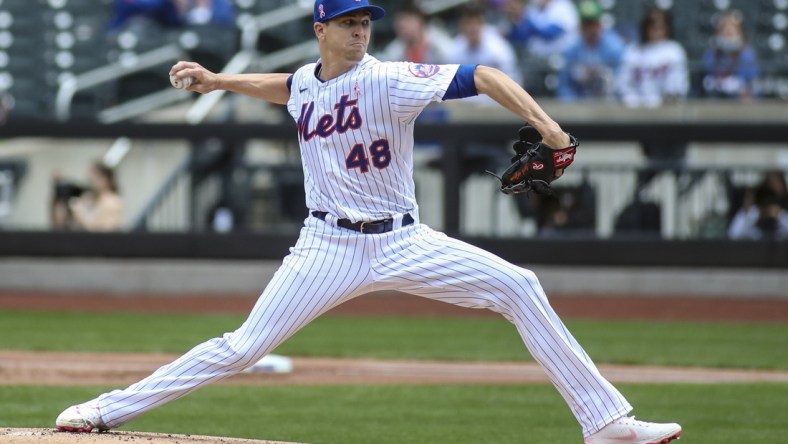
(463, 84)
(290, 83)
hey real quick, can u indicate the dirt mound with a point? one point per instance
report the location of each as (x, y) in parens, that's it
(65, 368)
(49, 436)
(398, 304)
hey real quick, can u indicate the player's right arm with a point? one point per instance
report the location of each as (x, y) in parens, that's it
(272, 87)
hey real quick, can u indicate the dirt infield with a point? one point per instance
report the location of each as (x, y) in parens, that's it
(49, 436)
(121, 369)
(399, 304)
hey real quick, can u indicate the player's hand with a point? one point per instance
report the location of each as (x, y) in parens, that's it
(204, 81)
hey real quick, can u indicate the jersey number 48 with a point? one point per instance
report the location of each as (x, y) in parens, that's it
(379, 153)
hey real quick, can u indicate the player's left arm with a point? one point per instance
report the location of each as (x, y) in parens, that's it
(513, 97)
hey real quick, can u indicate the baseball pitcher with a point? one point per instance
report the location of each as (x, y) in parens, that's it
(355, 119)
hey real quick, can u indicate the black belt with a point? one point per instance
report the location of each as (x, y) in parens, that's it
(376, 227)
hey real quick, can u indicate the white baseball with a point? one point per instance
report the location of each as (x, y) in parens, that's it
(183, 83)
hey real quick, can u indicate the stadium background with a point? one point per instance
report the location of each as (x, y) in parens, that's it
(651, 280)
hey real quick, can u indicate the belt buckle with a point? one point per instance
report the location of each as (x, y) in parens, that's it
(362, 228)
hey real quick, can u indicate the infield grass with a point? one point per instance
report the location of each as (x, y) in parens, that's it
(756, 346)
(710, 414)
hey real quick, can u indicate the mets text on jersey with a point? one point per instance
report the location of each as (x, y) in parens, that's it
(327, 124)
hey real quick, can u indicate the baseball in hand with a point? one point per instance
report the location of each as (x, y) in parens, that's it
(183, 83)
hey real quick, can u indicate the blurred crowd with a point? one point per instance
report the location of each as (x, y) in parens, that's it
(528, 38)
(592, 59)
(169, 13)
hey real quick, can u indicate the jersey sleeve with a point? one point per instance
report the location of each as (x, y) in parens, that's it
(292, 83)
(413, 86)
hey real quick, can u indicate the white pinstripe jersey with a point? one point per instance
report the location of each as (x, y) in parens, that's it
(356, 134)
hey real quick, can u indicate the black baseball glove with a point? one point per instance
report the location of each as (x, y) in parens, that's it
(535, 163)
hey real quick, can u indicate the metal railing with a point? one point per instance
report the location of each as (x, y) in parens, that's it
(250, 30)
(168, 208)
(598, 201)
(447, 181)
(69, 87)
(609, 200)
(6, 195)
(240, 63)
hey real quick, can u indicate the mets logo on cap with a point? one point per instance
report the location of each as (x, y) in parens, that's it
(326, 10)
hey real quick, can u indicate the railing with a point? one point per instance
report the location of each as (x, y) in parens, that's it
(250, 31)
(168, 209)
(114, 71)
(452, 137)
(608, 201)
(240, 63)
(6, 195)
(436, 6)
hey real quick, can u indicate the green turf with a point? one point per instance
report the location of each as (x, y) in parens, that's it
(631, 342)
(713, 414)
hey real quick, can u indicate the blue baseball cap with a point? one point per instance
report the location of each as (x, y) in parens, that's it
(325, 10)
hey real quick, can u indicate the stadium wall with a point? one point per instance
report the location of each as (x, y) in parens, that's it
(209, 277)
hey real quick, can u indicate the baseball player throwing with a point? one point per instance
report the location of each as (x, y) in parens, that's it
(355, 118)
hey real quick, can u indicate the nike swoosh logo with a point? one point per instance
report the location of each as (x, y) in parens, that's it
(302, 90)
(632, 435)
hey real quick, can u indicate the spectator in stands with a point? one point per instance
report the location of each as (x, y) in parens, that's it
(480, 43)
(98, 207)
(545, 27)
(416, 39)
(730, 65)
(570, 212)
(764, 214)
(494, 12)
(591, 63)
(170, 13)
(655, 69)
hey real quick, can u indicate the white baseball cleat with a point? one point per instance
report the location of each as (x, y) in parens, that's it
(628, 430)
(81, 418)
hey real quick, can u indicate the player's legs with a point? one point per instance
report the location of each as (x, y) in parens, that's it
(326, 267)
(433, 265)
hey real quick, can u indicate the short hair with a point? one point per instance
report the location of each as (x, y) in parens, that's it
(472, 11)
(412, 8)
(108, 173)
(648, 18)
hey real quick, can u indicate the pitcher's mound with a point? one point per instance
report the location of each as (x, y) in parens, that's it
(50, 436)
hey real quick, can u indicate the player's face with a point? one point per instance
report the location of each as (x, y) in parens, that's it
(347, 36)
(657, 28)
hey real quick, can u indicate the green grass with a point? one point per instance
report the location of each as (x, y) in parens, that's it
(713, 414)
(760, 346)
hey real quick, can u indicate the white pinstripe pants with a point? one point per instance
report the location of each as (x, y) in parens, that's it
(331, 265)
